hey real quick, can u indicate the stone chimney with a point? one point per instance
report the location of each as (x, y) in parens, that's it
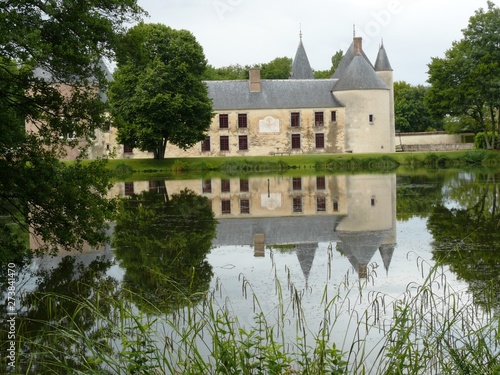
(358, 45)
(254, 80)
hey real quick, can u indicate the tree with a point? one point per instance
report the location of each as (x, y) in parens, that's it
(51, 76)
(231, 72)
(279, 68)
(335, 63)
(157, 95)
(411, 113)
(465, 82)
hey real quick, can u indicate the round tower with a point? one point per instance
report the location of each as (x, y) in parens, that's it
(385, 72)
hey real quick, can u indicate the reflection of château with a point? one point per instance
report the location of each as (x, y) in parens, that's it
(357, 212)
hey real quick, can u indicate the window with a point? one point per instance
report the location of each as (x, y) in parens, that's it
(127, 149)
(320, 183)
(336, 205)
(243, 142)
(223, 121)
(206, 186)
(205, 145)
(157, 186)
(320, 204)
(318, 119)
(242, 120)
(129, 188)
(225, 186)
(245, 206)
(244, 186)
(224, 143)
(370, 119)
(372, 201)
(334, 116)
(320, 140)
(295, 119)
(297, 204)
(296, 183)
(296, 141)
(225, 206)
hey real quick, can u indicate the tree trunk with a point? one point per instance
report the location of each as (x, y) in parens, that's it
(159, 152)
(498, 129)
(485, 131)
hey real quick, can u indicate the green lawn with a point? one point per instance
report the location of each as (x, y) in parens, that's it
(303, 164)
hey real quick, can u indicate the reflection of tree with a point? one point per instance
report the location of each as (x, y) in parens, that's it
(416, 195)
(162, 243)
(66, 299)
(467, 237)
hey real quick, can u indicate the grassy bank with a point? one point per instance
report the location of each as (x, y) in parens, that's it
(429, 329)
(371, 163)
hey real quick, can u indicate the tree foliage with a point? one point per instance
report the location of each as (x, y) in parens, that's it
(231, 72)
(411, 113)
(51, 76)
(465, 83)
(162, 243)
(336, 58)
(157, 95)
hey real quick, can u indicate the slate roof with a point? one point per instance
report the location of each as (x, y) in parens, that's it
(382, 63)
(346, 61)
(301, 69)
(359, 247)
(359, 75)
(289, 93)
(286, 230)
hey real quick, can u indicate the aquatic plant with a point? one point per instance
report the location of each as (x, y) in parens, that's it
(430, 329)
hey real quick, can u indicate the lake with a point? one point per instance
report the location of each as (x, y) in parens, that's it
(302, 252)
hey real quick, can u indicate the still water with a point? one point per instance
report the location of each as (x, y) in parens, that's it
(282, 245)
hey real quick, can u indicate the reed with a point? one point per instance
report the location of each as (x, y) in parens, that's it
(429, 329)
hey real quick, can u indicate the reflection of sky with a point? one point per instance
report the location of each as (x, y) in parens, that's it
(232, 263)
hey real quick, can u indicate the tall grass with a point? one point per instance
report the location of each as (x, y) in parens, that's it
(430, 329)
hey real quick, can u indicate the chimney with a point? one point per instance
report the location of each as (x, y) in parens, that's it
(358, 45)
(254, 80)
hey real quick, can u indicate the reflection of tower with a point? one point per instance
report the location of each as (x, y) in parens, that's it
(305, 254)
(370, 221)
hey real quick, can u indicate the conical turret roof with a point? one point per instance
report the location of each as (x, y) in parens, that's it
(301, 69)
(346, 61)
(382, 63)
(359, 75)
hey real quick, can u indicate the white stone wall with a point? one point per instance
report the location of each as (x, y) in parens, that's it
(363, 136)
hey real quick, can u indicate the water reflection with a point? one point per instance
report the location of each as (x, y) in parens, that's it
(168, 245)
(357, 212)
(161, 242)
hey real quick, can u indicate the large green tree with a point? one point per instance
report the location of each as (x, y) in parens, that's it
(157, 96)
(51, 76)
(411, 113)
(465, 82)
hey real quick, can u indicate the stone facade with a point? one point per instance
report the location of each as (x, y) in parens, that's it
(353, 111)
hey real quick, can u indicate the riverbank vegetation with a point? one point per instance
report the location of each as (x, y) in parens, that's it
(344, 163)
(429, 329)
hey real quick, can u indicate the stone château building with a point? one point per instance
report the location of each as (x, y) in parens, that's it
(353, 111)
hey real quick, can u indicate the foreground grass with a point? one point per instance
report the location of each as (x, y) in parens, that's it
(196, 167)
(430, 329)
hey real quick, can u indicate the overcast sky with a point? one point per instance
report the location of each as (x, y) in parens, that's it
(248, 32)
